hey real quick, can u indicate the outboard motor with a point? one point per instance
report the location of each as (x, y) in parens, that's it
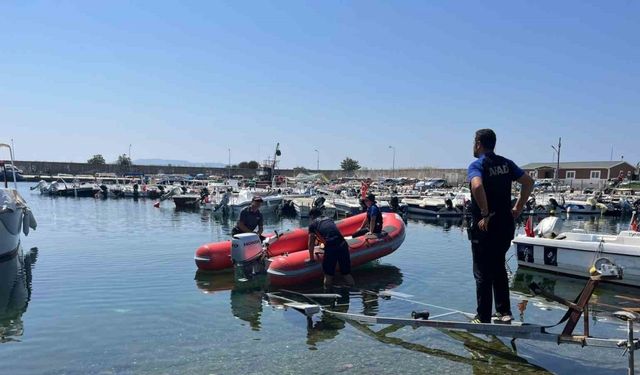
(318, 202)
(248, 255)
(449, 204)
(104, 191)
(394, 202)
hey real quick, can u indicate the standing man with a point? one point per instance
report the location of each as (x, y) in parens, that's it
(250, 218)
(336, 249)
(492, 226)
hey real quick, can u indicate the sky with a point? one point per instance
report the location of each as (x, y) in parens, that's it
(192, 80)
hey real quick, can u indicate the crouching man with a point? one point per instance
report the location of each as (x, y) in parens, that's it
(336, 249)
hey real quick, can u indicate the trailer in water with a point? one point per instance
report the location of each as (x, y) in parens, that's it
(516, 330)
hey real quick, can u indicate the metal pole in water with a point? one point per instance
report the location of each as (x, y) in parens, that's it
(631, 348)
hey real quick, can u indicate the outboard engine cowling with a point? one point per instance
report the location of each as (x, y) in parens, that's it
(247, 254)
(245, 247)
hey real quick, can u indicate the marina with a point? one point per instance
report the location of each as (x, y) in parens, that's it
(167, 290)
(328, 187)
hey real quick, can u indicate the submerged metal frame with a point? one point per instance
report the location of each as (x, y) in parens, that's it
(516, 330)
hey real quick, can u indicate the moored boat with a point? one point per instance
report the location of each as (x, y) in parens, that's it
(580, 254)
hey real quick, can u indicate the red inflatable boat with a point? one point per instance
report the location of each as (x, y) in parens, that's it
(217, 255)
(293, 268)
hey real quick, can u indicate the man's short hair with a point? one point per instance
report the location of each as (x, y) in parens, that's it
(487, 138)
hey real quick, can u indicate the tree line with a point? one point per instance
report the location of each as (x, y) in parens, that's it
(347, 165)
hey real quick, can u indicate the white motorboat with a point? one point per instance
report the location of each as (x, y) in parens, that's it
(304, 205)
(15, 217)
(578, 253)
(347, 206)
(270, 202)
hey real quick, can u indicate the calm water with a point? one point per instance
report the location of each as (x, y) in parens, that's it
(113, 289)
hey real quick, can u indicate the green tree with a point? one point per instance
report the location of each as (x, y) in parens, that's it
(249, 164)
(124, 161)
(349, 165)
(97, 159)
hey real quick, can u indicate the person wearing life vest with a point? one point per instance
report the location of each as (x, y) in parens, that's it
(492, 225)
(372, 224)
(336, 249)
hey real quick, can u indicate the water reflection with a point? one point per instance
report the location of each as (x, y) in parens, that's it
(607, 298)
(447, 223)
(487, 356)
(248, 298)
(15, 293)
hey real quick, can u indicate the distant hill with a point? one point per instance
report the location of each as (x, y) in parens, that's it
(177, 163)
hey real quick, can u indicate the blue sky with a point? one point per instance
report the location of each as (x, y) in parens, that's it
(188, 80)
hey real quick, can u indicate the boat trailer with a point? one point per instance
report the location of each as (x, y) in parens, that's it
(575, 311)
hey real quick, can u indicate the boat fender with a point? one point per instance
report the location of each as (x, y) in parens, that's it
(28, 221)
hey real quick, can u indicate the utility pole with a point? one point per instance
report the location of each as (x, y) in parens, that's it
(317, 161)
(557, 172)
(229, 149)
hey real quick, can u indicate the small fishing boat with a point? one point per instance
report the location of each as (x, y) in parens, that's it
(578, 253)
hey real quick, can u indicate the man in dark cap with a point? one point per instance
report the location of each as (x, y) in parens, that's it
(250, 218)
(372, 224)
(492, 226)
(336, 249)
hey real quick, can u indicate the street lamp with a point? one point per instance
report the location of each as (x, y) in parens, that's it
(317, 161)
(229, 149)
(557, 173)
(393, 166)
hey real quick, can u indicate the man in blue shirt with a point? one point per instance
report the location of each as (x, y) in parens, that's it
(373, 222)
(492, 225)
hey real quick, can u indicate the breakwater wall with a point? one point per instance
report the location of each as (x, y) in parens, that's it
(49, 168)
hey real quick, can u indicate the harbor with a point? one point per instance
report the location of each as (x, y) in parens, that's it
(127, 275)
(334, 187)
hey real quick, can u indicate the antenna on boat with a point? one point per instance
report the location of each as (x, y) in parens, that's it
(13, 169)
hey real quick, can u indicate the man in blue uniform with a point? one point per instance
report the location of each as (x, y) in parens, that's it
(372, 224)
(336, 249)
(492, 226)
(250, 219)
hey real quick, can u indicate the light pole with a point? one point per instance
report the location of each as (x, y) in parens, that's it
(317, 161)
(557, 150)
(229, 149)
(393, 166)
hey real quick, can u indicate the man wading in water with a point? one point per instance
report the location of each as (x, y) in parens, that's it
(336, 249)
(492, 225)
